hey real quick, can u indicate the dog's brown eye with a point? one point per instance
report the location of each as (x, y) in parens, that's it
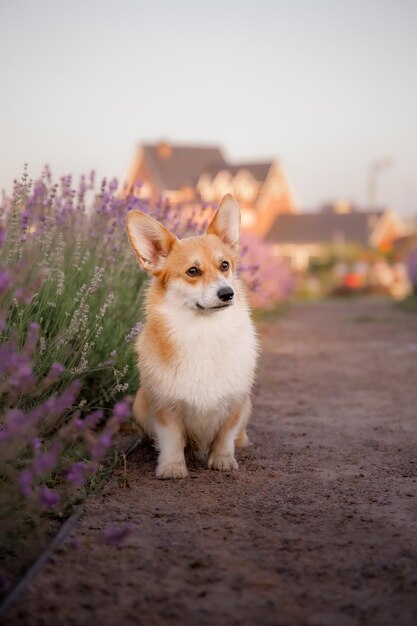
(193, 271)
(224, 266)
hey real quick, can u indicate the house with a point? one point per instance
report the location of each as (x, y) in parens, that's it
(301, 237)
(190, 175)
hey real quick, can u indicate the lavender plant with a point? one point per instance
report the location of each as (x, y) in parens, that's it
(69, 293)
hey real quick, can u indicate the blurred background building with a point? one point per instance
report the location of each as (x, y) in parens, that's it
(301, 238)
(341, 245)
(193, 174)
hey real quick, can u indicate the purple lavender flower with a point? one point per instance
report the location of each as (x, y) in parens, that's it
(25, 480)
(54, 373)
(61, 403)
(101, 445)
(36, 443)
(32, 337)
(44, 462)
(91, 179)
(48, 497)
(5, 280)
(22, 379)
(115, 536)
(79, 472)
(134, 332)
(113, 184)
(122, 410)
(14, 420)
(105, 439)
(57, 369)
(25, 219)
(91, 420)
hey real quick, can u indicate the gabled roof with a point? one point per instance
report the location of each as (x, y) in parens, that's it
(183, 166)
(173, 167)
(325, 227)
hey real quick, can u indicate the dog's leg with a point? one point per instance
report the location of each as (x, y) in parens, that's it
(140, 411)
(242, 439)
(170, 441)
(222, 456)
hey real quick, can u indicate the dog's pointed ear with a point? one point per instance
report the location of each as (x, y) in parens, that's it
(226, 222)
(151, 241)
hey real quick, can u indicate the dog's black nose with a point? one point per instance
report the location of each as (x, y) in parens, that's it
(225, 294)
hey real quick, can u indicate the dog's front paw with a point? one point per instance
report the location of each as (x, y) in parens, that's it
(172, 470)
(222, 462)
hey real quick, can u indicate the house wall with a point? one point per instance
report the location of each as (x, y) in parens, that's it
(132, 175)
(297, 255)
(139, 173)
(275, 198)
(389, 228)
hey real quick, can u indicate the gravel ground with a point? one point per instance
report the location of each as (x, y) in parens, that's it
(318, 527)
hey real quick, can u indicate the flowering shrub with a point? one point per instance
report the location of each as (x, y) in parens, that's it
(270, 281)
(71, 295)
(69, 291)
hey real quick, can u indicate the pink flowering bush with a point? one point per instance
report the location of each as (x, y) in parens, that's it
(270, 281)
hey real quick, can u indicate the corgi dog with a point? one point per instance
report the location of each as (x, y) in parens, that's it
(197, 351)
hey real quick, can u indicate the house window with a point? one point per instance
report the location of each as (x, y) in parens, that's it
(223, 183)
(245, 186)
(249, 218)
(205, 188)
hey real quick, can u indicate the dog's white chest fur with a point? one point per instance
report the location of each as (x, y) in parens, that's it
(215, 363)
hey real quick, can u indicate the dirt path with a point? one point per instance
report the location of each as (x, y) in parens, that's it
(319, 525)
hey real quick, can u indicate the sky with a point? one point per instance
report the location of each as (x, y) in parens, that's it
(328, 87)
